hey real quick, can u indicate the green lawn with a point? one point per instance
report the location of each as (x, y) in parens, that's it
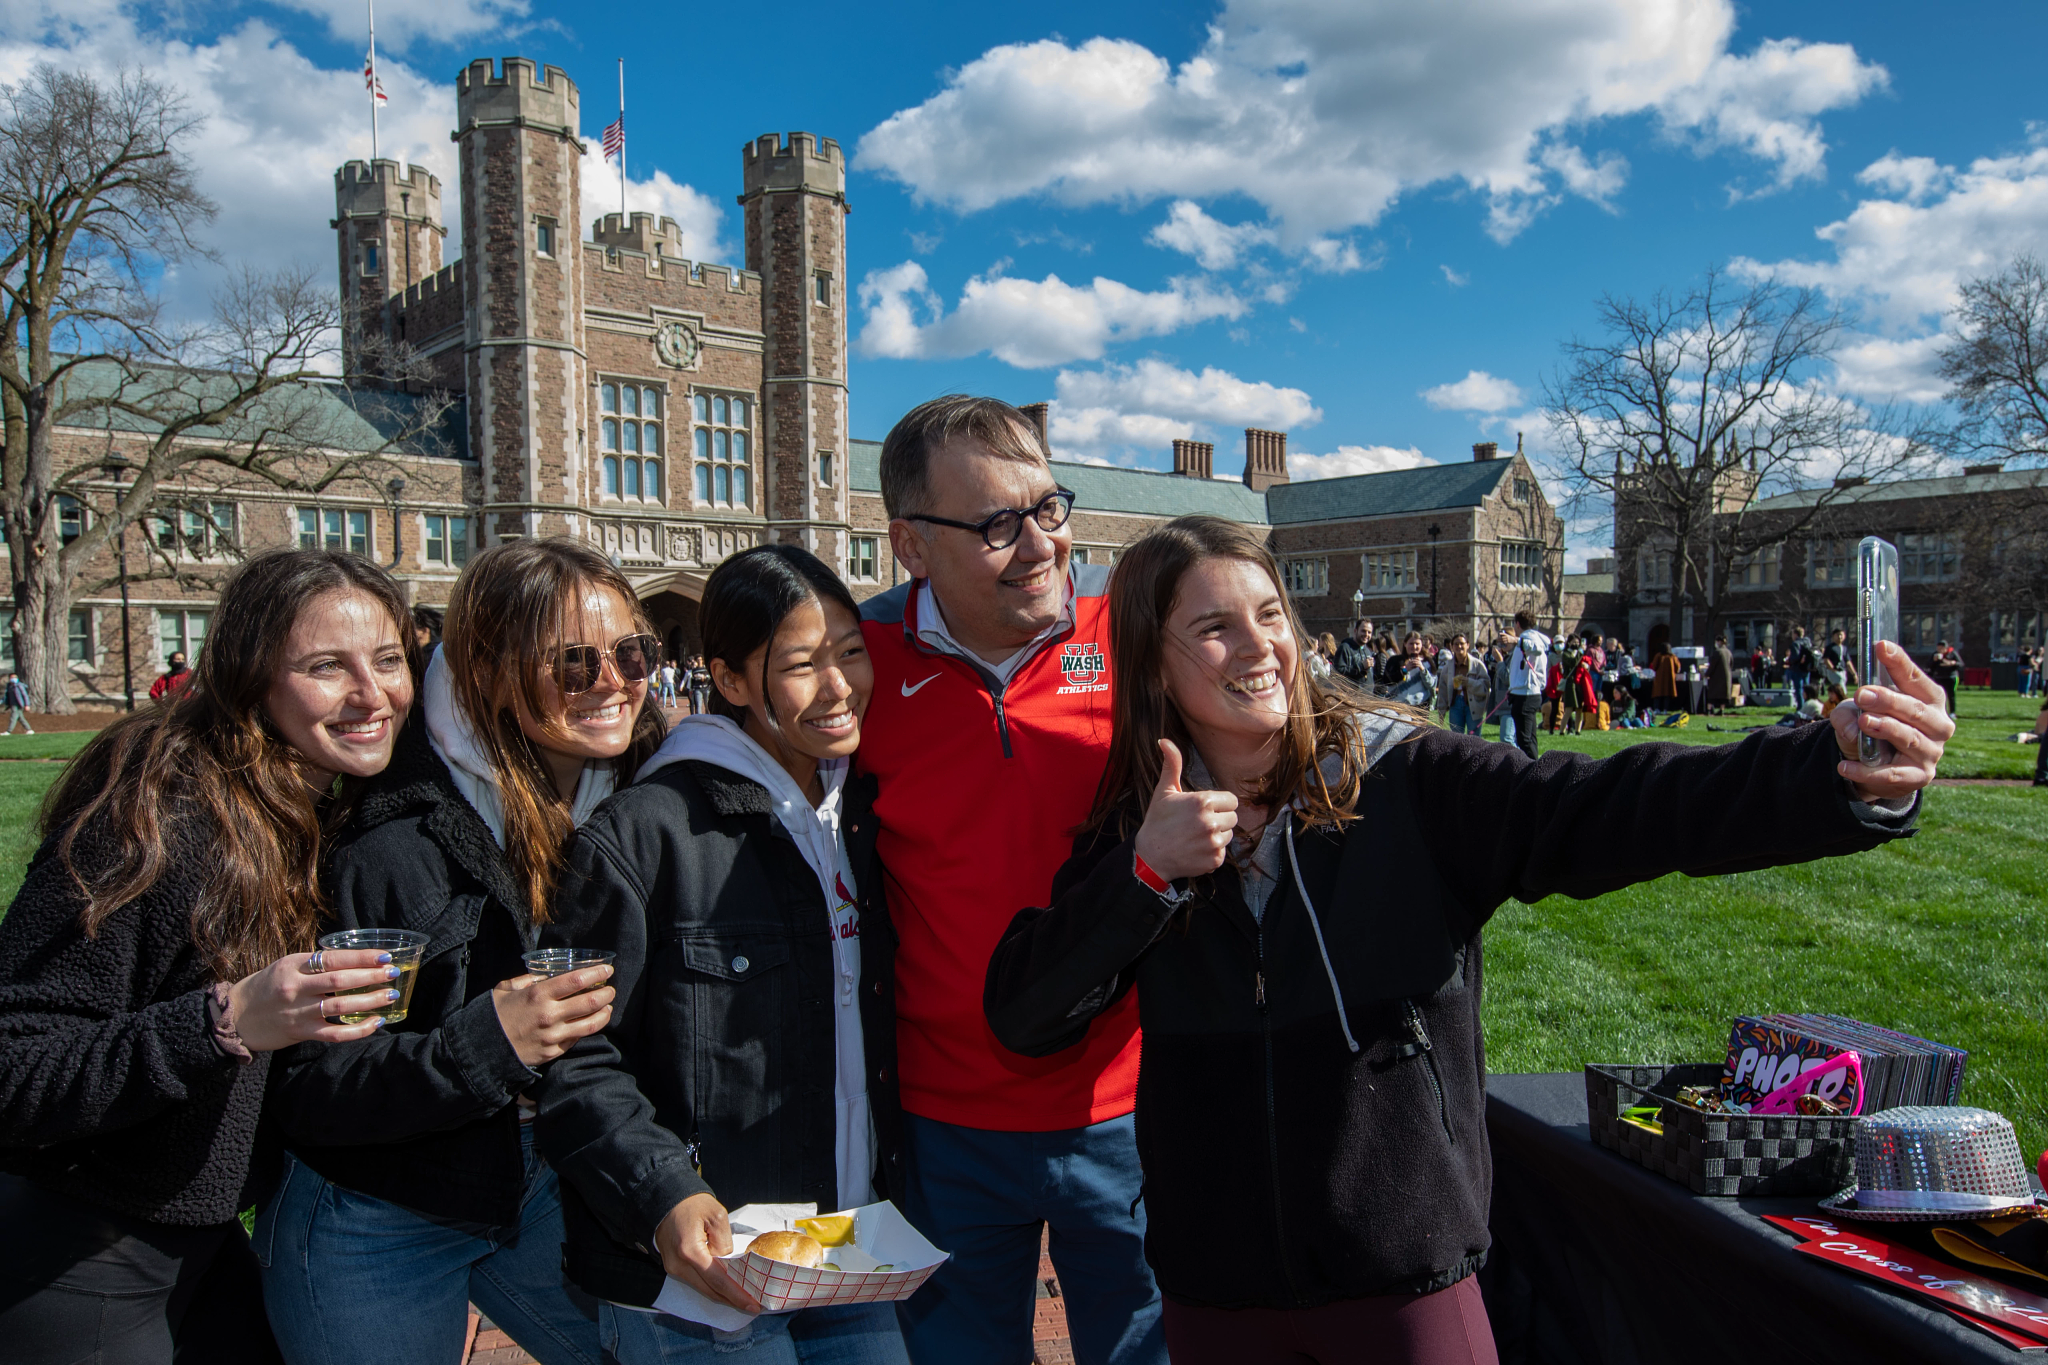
(1944, 934)
(1982, 747)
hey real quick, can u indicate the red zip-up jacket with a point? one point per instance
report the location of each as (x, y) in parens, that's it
(982, 788)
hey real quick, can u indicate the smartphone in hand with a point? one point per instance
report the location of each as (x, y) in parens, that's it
(1877, 618)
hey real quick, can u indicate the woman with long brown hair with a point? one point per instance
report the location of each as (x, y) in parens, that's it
(158, 953)
(412, 1188)
(1311, 1113)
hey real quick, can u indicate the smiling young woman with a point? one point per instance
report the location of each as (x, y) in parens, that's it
(412, 1187)
(157, 955)
(1320, 1036)
(734, 880)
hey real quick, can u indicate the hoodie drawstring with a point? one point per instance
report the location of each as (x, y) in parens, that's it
(1343, 1020)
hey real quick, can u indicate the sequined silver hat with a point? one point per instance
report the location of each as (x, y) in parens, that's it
(1935, 1163)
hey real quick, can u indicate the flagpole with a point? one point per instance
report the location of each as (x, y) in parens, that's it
(373, 83)
(622, 144)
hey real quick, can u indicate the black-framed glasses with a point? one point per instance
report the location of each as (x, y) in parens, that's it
(577, 668)
(1001, 529)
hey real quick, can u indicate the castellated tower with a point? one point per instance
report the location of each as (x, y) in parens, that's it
(387, 222)
(523, 292)
(795, 202)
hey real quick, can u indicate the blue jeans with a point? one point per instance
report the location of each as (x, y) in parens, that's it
(983, 1196)
(1797, 684)
(852, 1334)
(1461, 719)
(349, 1278)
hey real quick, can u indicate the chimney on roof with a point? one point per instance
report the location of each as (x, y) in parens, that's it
(1265, 459)
(1486, 450)
(1196, 459)
(1036, 414)
(1995, 468)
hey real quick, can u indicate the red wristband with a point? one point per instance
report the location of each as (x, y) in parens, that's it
(1158, 884)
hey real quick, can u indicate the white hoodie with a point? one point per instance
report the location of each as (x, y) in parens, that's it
(454, 741)
(815, 830)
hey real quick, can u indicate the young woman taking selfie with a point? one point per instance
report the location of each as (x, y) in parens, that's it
(1311, 1111)
(412, 1188)
(751, 1059)
(159, 952)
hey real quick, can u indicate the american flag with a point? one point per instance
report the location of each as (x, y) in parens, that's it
(371, 83)
(614, 138)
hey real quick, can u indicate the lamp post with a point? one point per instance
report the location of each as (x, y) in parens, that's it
(117, 465)
(1434, 532)
(395, 487)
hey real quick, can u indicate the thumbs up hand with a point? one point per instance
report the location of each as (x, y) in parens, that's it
(1185, 833)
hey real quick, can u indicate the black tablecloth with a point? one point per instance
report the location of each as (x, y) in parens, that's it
(1597, 1260)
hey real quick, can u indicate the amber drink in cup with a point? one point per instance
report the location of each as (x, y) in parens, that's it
(555, 961)
(405, 947)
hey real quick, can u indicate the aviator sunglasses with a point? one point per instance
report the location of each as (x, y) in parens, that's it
(577, 668)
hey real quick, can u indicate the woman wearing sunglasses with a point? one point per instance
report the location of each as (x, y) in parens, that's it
(412, 1188)
(732, 879)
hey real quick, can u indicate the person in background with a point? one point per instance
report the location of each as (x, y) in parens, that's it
(2024, 671)
(158, 954)
(1213, 881)
(411, 1186)
(18, 702)
(1663, 671)
(1354, 658)
(2041, 738)
(1798, 665)
(990, 678)
(1596, 653)
(426, 629)
(668, 685)
(1760, 666)
(735, 879)
(1464, 689)
(1720, 677)
(1838, 669)
(174, 677)
(1498, 669)
(700, 686)
(1947, 668)
(1528, 677)
(1322, 657)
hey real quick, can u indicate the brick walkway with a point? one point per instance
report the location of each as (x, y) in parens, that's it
(1049, 1343)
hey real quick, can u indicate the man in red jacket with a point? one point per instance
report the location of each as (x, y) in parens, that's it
(988, 731)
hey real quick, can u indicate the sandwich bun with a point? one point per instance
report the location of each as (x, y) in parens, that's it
(792, 1248)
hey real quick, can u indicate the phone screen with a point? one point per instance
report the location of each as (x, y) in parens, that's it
(1877, 618)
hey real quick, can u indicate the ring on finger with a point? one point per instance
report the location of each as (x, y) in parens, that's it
(312, 966)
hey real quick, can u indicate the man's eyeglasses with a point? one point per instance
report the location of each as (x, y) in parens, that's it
(1001, 529)
(577, 668)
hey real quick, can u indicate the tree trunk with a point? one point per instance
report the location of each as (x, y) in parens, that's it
(42, 590)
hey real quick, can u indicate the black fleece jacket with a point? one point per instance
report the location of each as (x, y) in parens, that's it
(421, 1113)
(112, 1089)
(716, 1072)
(1285, 1167)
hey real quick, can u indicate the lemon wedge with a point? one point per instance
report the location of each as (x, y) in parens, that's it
(831, 1230)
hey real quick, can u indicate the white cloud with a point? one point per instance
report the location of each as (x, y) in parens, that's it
(1906, 256)
(1478, 391)
(1147, 405)
(435, 21)
(1214, 245)
(1881, 368)
(277, 125)
(698, 215)
(1028, 323)
(1355, 460)
(1453, 278)
(1324, 112)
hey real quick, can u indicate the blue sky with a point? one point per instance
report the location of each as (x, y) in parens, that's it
(1369, 223)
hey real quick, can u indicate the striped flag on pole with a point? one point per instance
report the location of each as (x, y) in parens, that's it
(370, 81)
(614, 138)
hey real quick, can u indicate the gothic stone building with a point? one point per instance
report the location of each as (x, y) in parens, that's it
(674, 412)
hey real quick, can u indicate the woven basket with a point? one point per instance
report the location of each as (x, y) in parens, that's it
(1717, 1154)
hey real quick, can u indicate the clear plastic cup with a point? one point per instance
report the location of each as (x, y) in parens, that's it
(405, 947)
(555, 961)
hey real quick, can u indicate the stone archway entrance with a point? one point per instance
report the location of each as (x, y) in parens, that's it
(670, 601)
